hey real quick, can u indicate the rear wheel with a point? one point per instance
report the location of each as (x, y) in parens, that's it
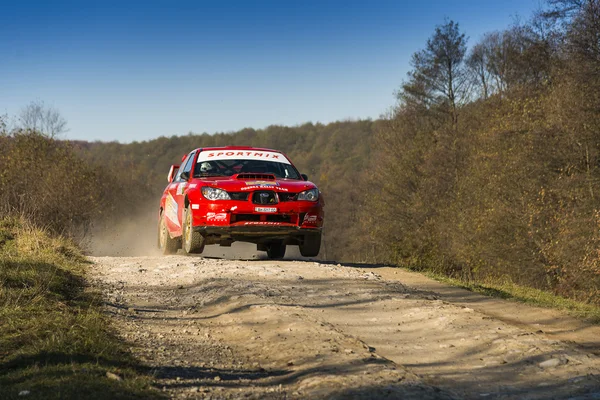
(166, 244)
(275, 250)
(311, 245)
(193, 242)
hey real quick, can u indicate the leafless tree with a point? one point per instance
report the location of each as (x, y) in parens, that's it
(563, 9)
(44, 119)
(478, 61)
(3, 125)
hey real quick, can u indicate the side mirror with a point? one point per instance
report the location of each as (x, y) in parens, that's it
(172, 172)
(185, 176)
(304, 176)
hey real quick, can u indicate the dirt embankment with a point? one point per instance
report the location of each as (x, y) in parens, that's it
(212, 328)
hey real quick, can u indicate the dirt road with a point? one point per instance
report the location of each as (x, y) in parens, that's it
(212, 328)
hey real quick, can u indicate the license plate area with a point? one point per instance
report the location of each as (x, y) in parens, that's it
(265, 209)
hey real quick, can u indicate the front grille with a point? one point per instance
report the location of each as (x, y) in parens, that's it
(279, 218)
(243, 196)
(244, 217)
(264, 197)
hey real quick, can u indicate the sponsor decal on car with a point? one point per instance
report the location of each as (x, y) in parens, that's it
(171, 208)
(181, 188)
(216, 217)
(265, 209)
(242, 155)
(262, 183)
(262, 187)
(310, 219)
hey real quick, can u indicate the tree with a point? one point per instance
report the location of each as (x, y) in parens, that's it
(43, 119)
(581, 26)
(439, 76)
(3, 126)
(516, 57)
(584, 35)
(564, 9)
(478, 62)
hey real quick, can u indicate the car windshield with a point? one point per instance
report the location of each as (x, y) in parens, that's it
(207, 168)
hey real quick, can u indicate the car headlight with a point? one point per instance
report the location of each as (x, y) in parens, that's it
(309, 195)
(215, 194)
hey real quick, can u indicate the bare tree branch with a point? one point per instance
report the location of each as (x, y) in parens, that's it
(43, 119)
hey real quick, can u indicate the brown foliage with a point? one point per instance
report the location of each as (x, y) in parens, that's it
(511, 194)
(45, 181)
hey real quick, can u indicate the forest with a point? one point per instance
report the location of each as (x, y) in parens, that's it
(487, 169)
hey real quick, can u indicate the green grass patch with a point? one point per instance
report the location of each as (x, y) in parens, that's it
(523, 294)
(55, 343)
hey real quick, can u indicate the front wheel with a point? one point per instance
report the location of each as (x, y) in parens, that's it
(166, 244)
(311, 245)
(193, 242)
(276, 250)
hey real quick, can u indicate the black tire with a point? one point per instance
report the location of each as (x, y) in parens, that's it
(193, 242)
(166, 243)
(276, 250)
(311, 245)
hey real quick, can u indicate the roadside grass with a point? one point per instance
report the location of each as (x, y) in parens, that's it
(510, 291)
(54, 341)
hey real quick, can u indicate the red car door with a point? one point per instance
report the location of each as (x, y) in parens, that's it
(174, 203)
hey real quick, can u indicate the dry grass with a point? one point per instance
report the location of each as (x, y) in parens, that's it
(511, 291)
(54, 341)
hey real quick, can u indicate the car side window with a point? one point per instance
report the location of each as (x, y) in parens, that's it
(187, 167)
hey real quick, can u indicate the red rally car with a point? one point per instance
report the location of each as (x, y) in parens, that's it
(220, 195)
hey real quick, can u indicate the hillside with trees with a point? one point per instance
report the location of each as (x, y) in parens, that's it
(491, 161)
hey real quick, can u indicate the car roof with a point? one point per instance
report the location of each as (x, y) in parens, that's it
(237, 148)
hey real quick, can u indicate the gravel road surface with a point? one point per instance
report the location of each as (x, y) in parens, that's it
(263, 329)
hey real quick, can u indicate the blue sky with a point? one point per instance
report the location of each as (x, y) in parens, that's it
(136, 70)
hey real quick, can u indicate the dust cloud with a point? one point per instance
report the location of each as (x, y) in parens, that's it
(137, 236)
(127, 236)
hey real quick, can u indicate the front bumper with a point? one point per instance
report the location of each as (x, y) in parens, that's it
(240, 221)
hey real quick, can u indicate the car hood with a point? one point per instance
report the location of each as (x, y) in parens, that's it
(236, 184)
